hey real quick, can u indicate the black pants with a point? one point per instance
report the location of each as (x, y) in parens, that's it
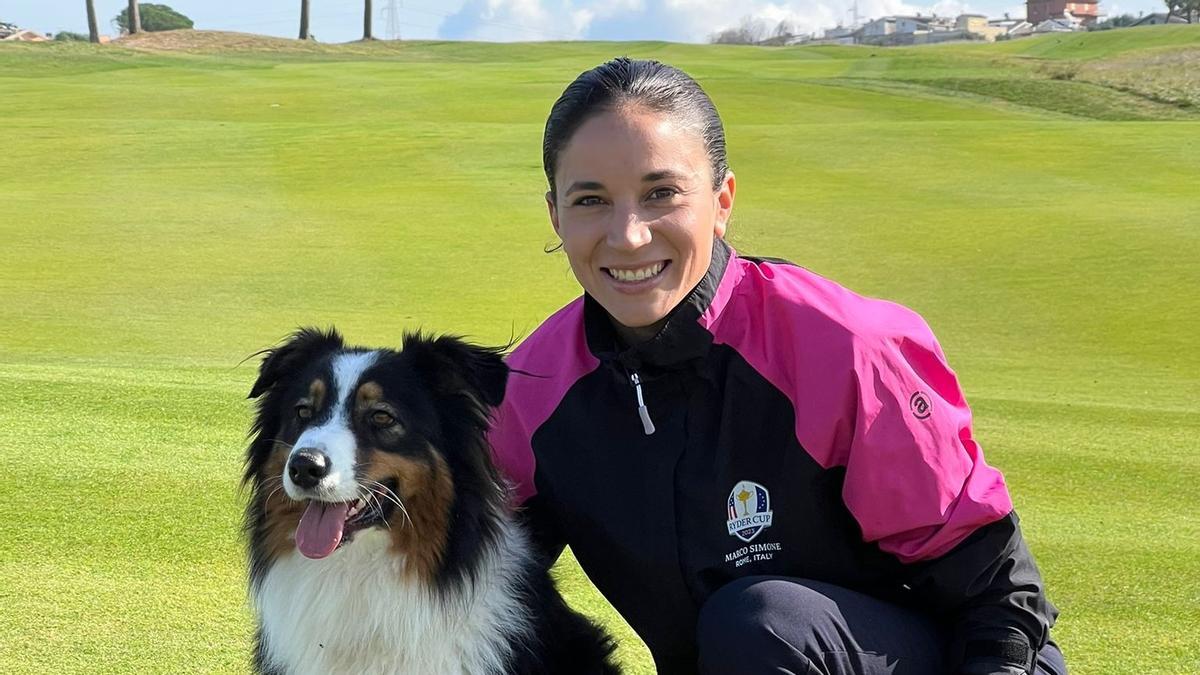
(784, 625)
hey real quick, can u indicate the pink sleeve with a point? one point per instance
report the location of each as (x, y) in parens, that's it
(916, 480)
(545, 367)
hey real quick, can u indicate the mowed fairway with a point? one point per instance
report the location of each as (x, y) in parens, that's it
(163, 215)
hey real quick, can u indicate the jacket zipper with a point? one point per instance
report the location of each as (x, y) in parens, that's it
(643, 412)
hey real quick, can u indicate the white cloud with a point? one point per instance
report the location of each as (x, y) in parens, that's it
(516, 20)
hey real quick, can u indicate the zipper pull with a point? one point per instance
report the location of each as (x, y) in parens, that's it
(643, 412)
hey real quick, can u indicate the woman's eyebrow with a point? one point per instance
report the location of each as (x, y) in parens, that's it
(664, 174)
(583, 185)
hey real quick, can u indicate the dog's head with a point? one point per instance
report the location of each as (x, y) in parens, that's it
(349, 440)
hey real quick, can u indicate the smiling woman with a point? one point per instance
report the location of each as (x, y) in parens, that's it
(606, 213)
(733, 446)
(678, 183)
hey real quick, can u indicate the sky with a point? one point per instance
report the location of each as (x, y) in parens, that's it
(520, 20)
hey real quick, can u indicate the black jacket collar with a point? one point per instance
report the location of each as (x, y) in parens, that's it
(681, 339)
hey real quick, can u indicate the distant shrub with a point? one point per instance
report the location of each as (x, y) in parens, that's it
(1121, 21)
(155, 18)
(68, 36)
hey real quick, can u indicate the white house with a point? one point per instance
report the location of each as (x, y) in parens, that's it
(885, 25)
(1157, 20)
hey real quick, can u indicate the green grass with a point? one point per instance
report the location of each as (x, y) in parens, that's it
(164, 215)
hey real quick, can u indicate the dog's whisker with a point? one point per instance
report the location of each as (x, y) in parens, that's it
(368, 496)
(394, 498)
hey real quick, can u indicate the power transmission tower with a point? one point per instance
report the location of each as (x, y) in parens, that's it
(392, 11)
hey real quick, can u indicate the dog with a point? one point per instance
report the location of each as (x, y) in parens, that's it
(379, 532)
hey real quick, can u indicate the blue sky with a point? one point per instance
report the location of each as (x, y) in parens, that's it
(510, 20)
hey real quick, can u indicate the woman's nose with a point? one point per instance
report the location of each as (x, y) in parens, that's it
(628, 230)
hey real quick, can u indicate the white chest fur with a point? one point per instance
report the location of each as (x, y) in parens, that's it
(355, 612)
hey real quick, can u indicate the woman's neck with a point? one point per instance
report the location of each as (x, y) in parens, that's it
(630, 337)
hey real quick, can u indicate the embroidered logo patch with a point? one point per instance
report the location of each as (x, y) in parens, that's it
(749, 509)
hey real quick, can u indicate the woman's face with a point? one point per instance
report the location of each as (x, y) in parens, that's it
(636, 211)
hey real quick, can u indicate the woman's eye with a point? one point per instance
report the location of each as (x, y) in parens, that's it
(663, 193)
(588, 201)
(304, 412)
(382, 419)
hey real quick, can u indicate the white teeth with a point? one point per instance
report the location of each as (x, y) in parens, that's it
(636, 275)
(358, 506)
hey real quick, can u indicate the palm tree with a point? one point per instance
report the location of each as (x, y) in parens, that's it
(93, 31)
(303, 19)
(135, 18)
(367, 20)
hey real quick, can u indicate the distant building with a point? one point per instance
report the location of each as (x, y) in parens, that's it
(1156, 20)
(1056, 26)
(842, 35)
(978, 24)
(880, 27)
(919, 30)
(1012, 28)
(1038, 11)
(890, 31)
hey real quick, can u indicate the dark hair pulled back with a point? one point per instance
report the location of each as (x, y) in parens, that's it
(625, 82)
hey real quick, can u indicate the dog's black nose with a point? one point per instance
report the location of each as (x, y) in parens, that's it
(307, 467)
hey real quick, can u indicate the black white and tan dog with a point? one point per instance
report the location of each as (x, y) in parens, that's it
(379, 532)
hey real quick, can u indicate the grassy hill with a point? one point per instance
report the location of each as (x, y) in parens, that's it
(171, 206)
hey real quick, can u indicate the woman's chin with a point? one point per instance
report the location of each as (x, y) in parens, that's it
(638, 312)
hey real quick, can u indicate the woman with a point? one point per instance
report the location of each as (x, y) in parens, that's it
(761, 470)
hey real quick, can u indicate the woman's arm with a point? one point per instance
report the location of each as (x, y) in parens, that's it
(991, 587)
(919, 487)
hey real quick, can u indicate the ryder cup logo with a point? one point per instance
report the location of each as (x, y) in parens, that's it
(749, 510)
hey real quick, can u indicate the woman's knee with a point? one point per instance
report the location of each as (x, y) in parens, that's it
(764, 620)
(781, 624)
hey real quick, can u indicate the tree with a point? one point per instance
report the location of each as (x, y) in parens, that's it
(153, 18)
(1188, 10)
(367, 20)
(1122, 21)
(749, 31)
(93, 30)
(135, 18)
(304, 20)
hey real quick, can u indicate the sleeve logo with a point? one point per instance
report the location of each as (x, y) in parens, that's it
(749, 509)
(920, 405)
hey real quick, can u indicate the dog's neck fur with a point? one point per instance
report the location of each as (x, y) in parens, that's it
(358, 612)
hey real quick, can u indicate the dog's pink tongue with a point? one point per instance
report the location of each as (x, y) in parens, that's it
(320, 529)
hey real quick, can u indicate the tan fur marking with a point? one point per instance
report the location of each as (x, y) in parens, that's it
(282, 513)
(316, 392)
(368, 393)
(427, 492)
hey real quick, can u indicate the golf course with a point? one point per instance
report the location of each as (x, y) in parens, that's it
(172, 203)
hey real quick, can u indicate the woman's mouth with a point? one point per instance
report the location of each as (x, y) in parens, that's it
(636, 277)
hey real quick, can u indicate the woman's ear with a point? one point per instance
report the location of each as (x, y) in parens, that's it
(724, 199)
(553, 211)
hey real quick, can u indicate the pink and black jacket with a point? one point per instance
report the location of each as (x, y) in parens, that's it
(778, 424)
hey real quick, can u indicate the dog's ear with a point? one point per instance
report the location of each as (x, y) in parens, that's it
(302, 346)
(453, 366)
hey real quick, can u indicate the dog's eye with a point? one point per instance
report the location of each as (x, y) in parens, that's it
(304, 412)
(382, 419)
